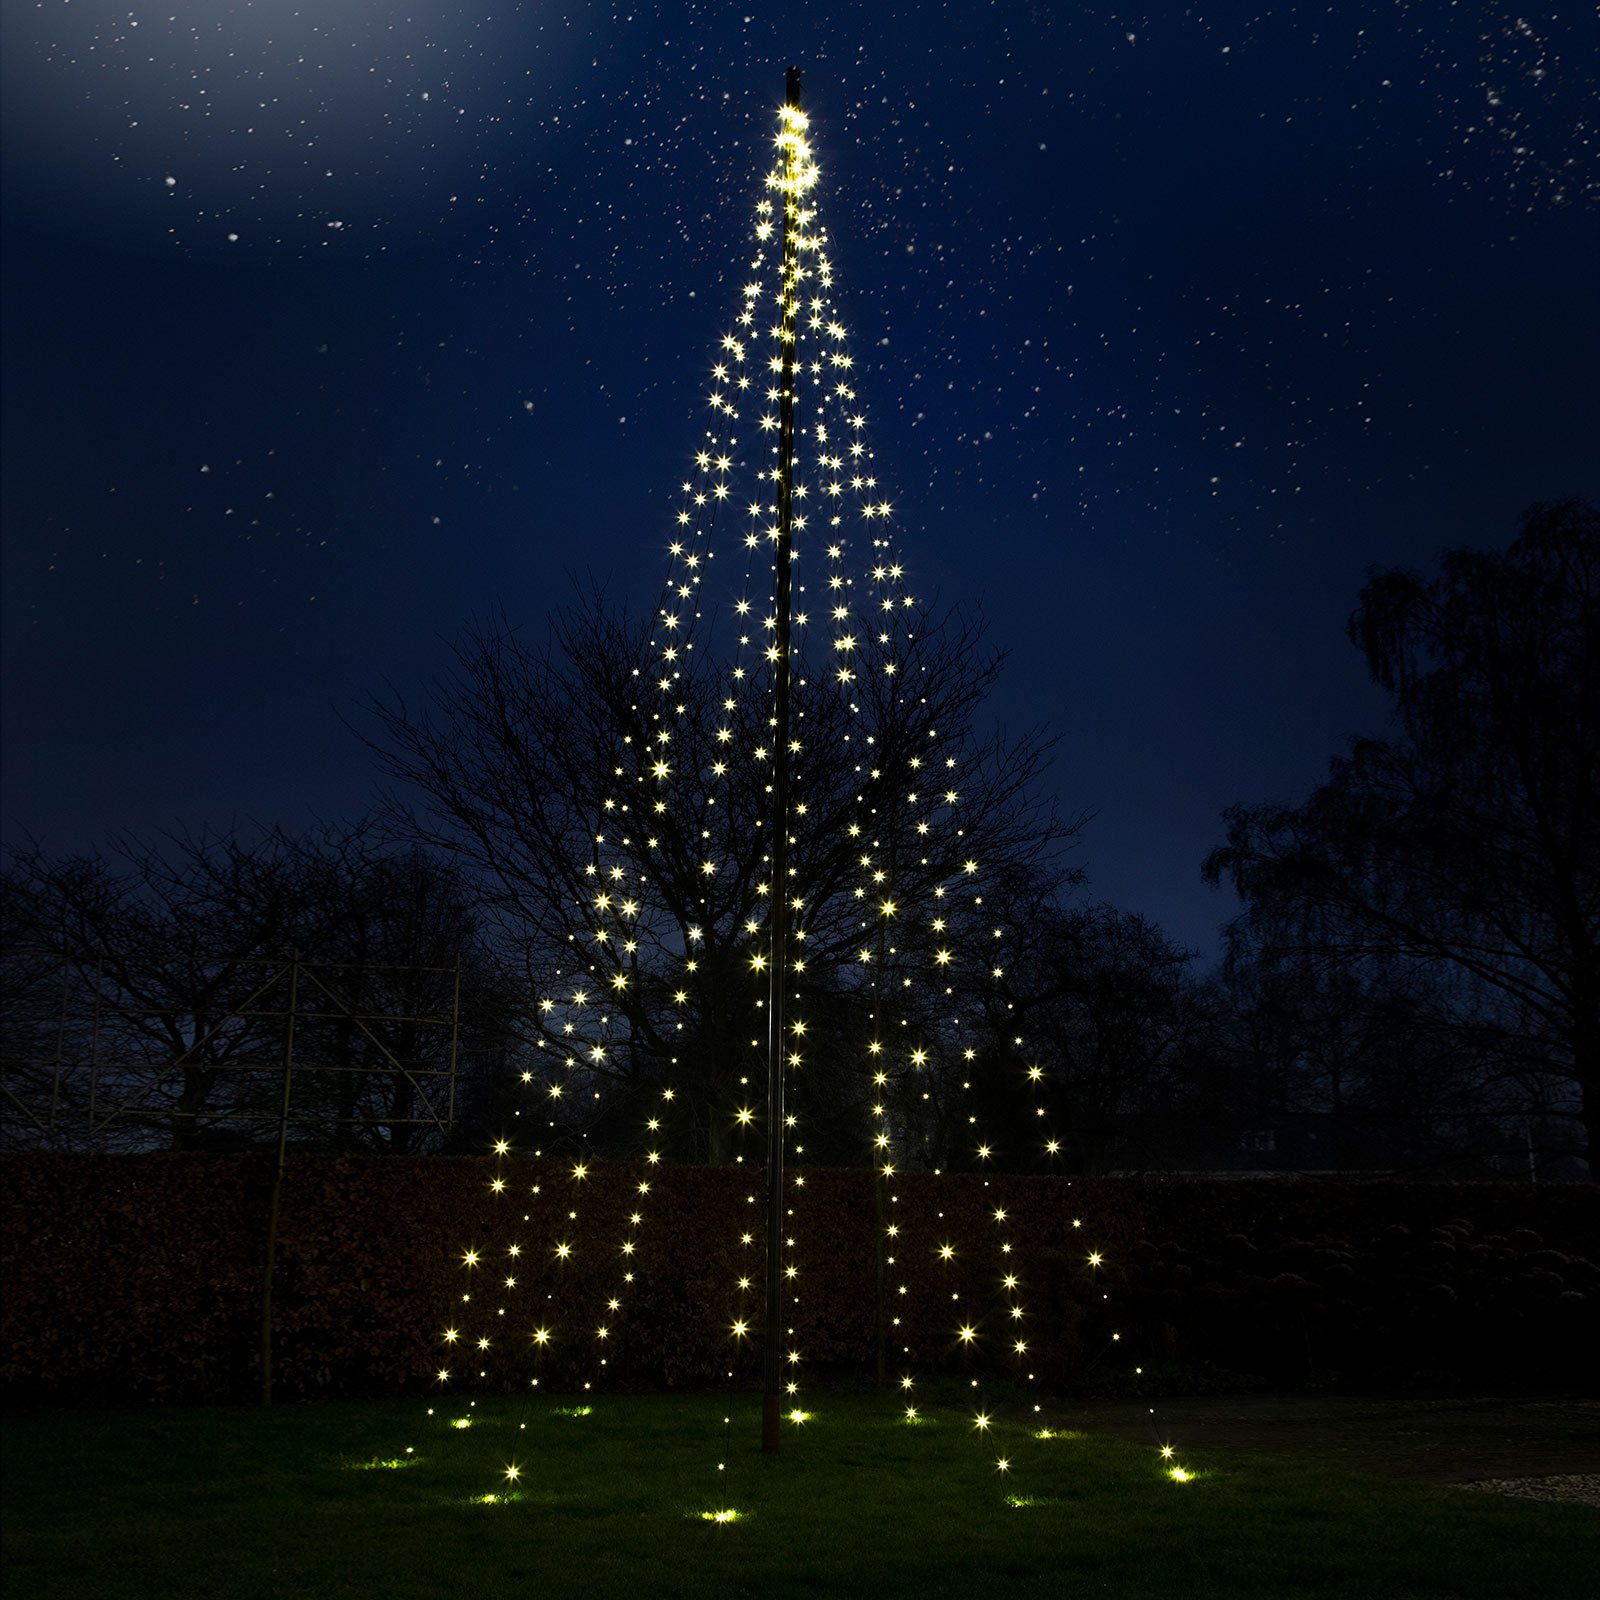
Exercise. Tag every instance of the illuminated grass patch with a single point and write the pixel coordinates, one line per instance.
(249, 1504)
(493, 1497)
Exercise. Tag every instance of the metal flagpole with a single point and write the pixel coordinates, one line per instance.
(778, 973)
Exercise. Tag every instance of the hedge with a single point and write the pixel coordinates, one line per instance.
(139, 1277)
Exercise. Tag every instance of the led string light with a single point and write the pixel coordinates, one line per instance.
(620, 891)
(901, 938)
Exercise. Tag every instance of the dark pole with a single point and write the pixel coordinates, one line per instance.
(277, 1181)
(773, 1334)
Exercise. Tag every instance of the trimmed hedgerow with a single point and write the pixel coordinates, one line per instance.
(139, 1277)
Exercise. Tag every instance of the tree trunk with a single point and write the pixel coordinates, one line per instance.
(1586, 1074)
(184, 1122)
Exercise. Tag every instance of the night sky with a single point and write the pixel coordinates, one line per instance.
(331, 326)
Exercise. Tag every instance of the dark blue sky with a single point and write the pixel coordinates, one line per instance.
(330, 327)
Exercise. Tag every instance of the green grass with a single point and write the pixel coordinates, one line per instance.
(299, 1501)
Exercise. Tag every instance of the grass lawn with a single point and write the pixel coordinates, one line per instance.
(307, 1501)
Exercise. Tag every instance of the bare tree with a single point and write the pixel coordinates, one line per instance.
(1377, 1062)
(622, 839)
(1102, 1011)
(173, 972)
(158, 965)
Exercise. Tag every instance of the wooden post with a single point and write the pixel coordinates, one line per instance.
(277, 1184)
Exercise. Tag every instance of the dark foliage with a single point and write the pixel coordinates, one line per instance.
(138, 1277)
(1461, 859)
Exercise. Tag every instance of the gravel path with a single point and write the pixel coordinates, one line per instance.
(1581, 1488)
